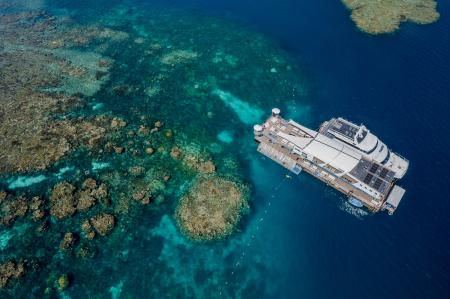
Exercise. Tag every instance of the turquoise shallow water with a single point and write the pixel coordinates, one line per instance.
(300, 239)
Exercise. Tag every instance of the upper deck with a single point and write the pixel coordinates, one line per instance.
(360, 138)
(350, 133)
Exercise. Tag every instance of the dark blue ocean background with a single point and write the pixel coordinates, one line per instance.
(308, 241)
(399, 86)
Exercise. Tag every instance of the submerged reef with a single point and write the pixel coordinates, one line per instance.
(384, 16)
(211, 208)
(103, 223)
(115, 121)
(10, 270)
(63, 202)
(11, 208)
(34, 135)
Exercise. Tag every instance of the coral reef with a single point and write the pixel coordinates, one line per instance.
(36, 208)
(88, 230)
(84, 252)
(93, 141)
(178, 56)
(89, 193)
(65, 200)
(199, 163)
(103, 223)
(117, 123)
(10, 270)
(383, 16)
(63, 282)
(33, 138)
(62, 200)
(211, 208)
(11, 208)
(68, 241)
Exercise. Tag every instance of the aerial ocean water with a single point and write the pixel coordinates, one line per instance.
(155, 92)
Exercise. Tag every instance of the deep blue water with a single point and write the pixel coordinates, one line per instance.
(398, 85)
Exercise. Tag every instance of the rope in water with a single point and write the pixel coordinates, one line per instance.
(249, 243)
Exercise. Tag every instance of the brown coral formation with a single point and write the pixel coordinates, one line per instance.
(38, 27)
(178, 56)
(117, 123)
(84, 252)
(11, 208)
(141, 196)
(85, 202)
(36, 208)
(32, 138)
(149, 151)
(65, 200)
(199, 163)
(63, 282)
(136, 170)
(62, 200)
(211, 209)
(10, 270)
(89, 193)
(175, 153)
(68, 241)
(3, 195)
(385, 16)
(103, 223)
(88, 230)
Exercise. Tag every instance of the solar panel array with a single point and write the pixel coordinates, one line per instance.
(374, 168)
(368, 178)
(383, 173)
(377, 184)
(373, 174)
(345, 129)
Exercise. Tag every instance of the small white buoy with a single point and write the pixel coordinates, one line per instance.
(276, 111)
(257, 130)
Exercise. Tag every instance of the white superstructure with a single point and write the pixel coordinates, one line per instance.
(346, 156)
(369, 145)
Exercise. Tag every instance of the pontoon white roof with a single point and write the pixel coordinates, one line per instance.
(329, 151)
(333, 153)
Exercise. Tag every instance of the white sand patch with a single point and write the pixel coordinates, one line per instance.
(247, 113)
(63, 171)
(5, 236)
(98, 106)
(99, 165)
(10, 233)
(25, 181)
(225, 136)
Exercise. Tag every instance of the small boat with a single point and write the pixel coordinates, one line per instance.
(354, 202)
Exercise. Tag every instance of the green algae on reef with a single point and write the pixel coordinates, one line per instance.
(120, 114)
(384, 16)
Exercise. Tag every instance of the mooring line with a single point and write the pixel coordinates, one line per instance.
(253, 238)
